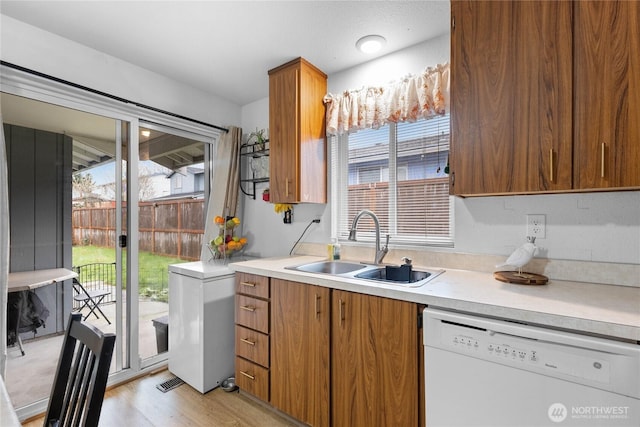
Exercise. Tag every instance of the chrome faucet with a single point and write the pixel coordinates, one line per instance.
(380, 253)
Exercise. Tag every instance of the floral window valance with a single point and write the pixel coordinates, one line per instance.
(414, 97)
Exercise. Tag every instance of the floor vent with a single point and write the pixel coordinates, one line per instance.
(169, 384)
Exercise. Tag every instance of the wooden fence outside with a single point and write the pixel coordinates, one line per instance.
(174, 227)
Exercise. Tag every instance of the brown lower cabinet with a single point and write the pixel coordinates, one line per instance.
(252, 334)
(374, 361)
(343, 359)
(300, 351)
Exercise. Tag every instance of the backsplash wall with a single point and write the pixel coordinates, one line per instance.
(601, 226)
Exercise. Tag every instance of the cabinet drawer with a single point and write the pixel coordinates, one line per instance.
(252, 284)
(252, 345)
(252, 313)
(252, 378)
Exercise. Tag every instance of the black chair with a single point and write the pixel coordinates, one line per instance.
(81, 378)
(90, 299)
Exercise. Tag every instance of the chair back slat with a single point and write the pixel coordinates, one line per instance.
(81, 379)
(75, 398)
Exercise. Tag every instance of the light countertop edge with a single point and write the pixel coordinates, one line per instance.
(201, 270)
(607, 310)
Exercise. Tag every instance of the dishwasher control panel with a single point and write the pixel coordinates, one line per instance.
(478, 343)
(523, 352)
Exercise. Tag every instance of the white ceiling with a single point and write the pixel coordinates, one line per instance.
(226, 47)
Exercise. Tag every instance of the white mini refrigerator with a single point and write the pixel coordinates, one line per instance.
(201, 324)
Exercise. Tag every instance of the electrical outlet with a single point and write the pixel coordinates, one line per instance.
(536, 226)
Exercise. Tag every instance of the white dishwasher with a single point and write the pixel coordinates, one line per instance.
(481, 371)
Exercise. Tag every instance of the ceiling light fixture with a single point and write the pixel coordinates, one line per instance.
(146, 133)
(370, 44)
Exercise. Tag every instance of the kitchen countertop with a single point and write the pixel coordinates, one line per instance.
(201, 270)
(607, 310)
(206, 269)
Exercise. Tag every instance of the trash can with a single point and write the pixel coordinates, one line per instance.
(162, 333)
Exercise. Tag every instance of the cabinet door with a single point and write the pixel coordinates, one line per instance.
(374, 361)
(313, 162)
(607, 94)
(284, 120)
(300, 351)
(511, 88)
(298, 167)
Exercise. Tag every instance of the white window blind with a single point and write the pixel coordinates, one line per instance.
(398, 172)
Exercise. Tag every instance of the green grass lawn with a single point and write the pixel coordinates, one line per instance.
(153, 272)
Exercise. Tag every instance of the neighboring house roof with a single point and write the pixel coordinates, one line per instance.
(191, 195)
(429, 144)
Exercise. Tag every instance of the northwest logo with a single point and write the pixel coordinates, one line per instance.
(557, 412)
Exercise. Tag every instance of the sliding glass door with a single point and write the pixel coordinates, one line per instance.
(139, 193)
(172, 185)
(67, 191)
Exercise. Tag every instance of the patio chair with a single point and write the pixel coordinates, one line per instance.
(90, 299)
(81, 378)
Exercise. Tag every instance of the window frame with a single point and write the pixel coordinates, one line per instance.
(339, 147)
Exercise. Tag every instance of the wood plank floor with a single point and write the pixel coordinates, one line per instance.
(139, 403)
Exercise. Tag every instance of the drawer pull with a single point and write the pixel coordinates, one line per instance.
(341, 305)
(246, 341)
(253, 285)
(251, 377)
(317, 306)
(248, 308)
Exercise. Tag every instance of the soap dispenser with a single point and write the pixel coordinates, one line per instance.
(336, 250)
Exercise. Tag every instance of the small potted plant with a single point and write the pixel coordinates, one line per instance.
(259, 137)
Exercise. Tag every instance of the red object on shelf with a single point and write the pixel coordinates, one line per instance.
(265, 196)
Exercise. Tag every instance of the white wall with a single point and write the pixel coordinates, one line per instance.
(30, 47)
(392, 67)
(267, 234)
(589, 226)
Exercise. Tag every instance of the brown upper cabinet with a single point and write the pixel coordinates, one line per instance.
(298, 165)
(543, 96)
(510, 97)
(606, 144)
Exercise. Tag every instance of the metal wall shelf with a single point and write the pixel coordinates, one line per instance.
(252, 152)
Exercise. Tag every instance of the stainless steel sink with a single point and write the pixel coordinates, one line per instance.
(375, 273)
(416, 277)
(329, 267)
